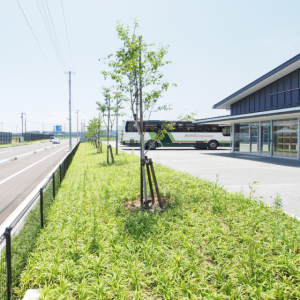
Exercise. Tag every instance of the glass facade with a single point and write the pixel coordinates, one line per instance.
(241, 137)
(256, 138)
(285, 138)
(254, 141)
(265, 138)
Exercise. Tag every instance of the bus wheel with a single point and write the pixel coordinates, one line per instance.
(153, 147)
(212, 145)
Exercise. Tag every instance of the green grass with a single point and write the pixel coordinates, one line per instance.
(24, 242)
(207, 244)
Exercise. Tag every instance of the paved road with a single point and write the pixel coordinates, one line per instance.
(10, 152)
(19, 177)
(237, 172)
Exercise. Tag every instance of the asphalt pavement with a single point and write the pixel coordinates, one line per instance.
(19, 177)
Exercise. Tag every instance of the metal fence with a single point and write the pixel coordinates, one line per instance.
(28, 137)
(5, 137)
(18, 240)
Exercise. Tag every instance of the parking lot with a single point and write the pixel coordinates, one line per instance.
(237, 172)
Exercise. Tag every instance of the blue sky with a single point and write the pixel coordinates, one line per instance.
(216, 48)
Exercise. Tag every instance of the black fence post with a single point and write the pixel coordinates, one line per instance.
(7, 235)
(53, 182)
(60, 178)
(42, 207)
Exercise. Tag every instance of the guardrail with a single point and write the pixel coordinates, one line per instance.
(18, 240)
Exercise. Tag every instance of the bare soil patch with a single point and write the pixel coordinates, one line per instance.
(136, 204)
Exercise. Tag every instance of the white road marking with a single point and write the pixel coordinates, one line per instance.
(12, 176)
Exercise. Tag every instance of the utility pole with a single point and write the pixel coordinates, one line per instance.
(77, 112)
(22, 116)
(70, 115)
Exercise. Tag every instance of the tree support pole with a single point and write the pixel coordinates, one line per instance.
(155, 183)
(149, 180)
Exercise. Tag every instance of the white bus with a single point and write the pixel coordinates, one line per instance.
(185, 134)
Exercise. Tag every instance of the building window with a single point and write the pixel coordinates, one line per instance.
(285, 138)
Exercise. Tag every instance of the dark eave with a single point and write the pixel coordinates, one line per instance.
(282, 70)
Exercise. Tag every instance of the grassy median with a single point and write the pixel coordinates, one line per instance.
(206, 244)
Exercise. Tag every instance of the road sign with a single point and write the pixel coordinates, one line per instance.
(58, 128)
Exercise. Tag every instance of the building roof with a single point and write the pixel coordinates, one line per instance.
(292, 112)
(282, 70)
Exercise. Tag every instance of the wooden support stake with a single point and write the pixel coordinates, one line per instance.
(141, 186)
(149, 180)
(109, 149)
(155, 183)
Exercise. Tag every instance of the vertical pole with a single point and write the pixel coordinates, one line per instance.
(42, 207)
(60, 177)
(232, 137)
(149, 180)
(143, 177)
(7, 235)
(22, 122)
(155, 183)
(70, 122)
(53, 182)
(108, 127)
(117, 132)
(272, 138)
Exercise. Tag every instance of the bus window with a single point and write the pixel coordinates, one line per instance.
(151, 128)
(200, 128)
(130, 127)
(189, 127)
(179, 127)
(226, 131)
(212, 128)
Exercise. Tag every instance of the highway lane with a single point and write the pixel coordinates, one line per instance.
(19, 177)
(10, 152)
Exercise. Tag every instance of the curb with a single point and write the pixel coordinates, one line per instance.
(5, 161)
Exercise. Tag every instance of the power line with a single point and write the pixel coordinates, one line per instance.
(70, 50)
(67, 34)
(38, 43)
(55, 32)
(50, 33)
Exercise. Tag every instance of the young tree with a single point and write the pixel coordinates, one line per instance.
(95, 128)
(136, 70)
(188, 117)
(119, 106)
(108, 109)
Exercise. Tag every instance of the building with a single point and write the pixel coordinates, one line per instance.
(265, 114)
